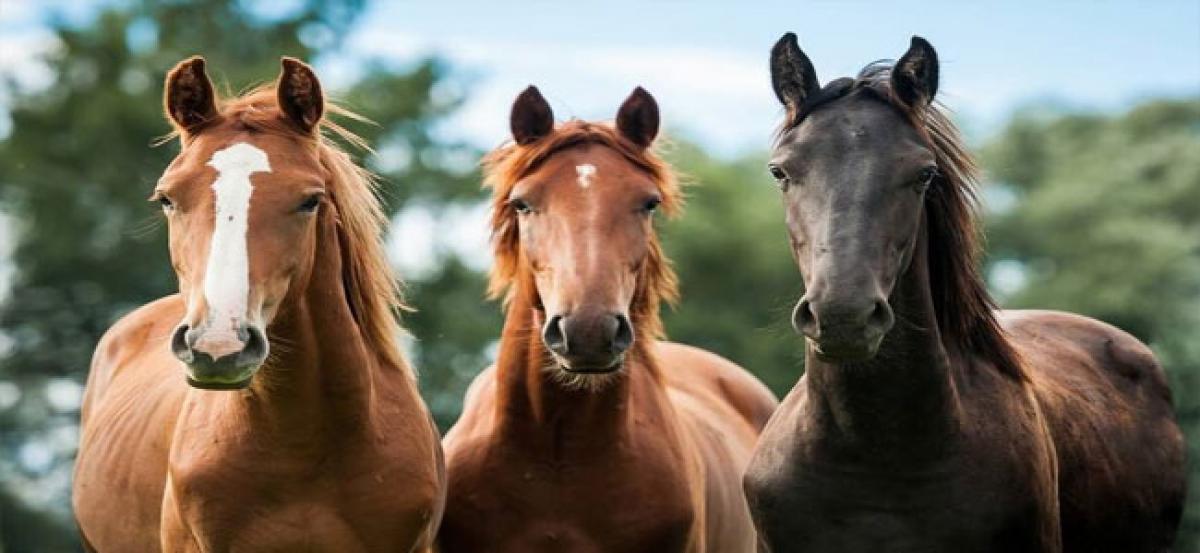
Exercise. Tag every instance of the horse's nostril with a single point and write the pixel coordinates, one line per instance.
(804, 320)
(881, 317)
(181, 344)
(553, 335)
(255, 351)
(623, 337)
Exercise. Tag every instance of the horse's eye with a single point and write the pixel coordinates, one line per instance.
(164, 202)
(310, 204)
(652, 204)
(779, 175)
(520, 206)
(925, 178)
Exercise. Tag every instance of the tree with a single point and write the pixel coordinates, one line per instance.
(738, 281)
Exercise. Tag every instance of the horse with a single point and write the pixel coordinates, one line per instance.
(591, 433)
(927, 420)
(267, 405)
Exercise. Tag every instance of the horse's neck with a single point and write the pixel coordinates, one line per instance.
(902, 400)
(536, 407)
(319, 381)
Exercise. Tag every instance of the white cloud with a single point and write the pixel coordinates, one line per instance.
(721, 97)
(20, 57)
(420, 237)
(15, 11)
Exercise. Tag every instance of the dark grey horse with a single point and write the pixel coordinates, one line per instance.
(926, 420)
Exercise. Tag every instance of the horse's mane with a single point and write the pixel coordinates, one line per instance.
(966, 312)
(371, 290)
(505, 166)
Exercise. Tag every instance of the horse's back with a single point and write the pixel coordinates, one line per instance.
(716, 381)
(130, 405)
(1120, 452)
(724, 408)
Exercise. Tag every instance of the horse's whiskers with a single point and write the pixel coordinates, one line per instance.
(583, 382)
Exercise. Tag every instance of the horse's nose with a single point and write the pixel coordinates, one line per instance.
(181, 343)
(554, 337)
(843, 323)
(803, 318)
(623, 338)
(217, 359)
(589, 342)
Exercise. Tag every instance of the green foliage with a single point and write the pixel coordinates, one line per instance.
(454, 329)
(1107, 223)
(738, 281)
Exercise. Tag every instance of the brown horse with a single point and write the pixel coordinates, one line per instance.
(927, 421)
(321, 444)
(590, 434)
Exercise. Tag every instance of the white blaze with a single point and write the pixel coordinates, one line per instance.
(586, 171)
(227, 276)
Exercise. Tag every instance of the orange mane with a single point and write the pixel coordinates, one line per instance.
(505, 166)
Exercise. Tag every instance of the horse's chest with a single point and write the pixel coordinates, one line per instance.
(813, 507)
(573, 532)
(287, 505)
(522, 506)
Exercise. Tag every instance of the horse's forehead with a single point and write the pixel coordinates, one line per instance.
(858, 118)
(282, 158)
(852, 127)
(582, 167)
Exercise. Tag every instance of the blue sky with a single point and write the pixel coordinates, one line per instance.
(706, 62)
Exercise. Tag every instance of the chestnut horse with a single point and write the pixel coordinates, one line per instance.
(320, 444)
(589, 433)
(926, 420)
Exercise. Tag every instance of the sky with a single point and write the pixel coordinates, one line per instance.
(706, 62)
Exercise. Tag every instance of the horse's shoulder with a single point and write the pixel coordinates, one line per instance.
(135, 327)
(697, 372)
(477, 404)
(147, 326)
(483, 383)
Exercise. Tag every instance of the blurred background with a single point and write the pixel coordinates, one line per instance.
(1086, 116)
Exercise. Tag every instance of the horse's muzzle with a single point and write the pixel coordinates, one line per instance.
(216, 364)
(845, 331)
(588, 343)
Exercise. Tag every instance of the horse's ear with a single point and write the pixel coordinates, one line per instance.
(188, 96)
(915, 76)
(299, 94)
(638, 119)
(531, 116)
(792, 74)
